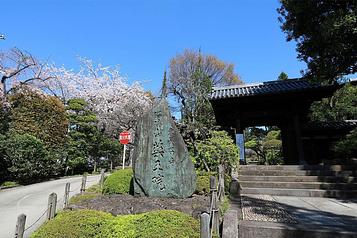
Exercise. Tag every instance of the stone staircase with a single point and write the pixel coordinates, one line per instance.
(336, 181)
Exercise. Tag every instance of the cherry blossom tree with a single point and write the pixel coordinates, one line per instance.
(116, 103)
(18, 67)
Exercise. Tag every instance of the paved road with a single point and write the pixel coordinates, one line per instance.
(32, 201)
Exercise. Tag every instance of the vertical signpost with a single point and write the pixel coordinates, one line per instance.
(124, 139)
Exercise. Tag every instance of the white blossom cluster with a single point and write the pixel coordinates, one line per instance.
(116, 103)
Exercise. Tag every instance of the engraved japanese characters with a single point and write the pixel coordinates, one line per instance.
(162, 166)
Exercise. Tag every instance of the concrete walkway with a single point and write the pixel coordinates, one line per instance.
(32, 201)
(303, 213)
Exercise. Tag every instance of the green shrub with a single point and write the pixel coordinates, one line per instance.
(74, 224)
(83, 197)
(156, 224)
(224, 206)
(166, 223)
(119, 182)
(219, 148)
(9, 184)
(95, 224)
(202, 182)
(27, 158)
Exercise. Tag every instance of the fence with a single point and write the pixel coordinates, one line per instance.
(209, 222)
(50, 211)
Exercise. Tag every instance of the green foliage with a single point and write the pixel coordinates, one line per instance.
(95, 224)
(27, 158)
(4, 164)
(156, 224)
(119, 182)
(341, 106)
(82, 133)
(283, 76)
(266, 143)
(203, 182)
(219, 148)
(325, 32)
(224, 206)
(94, 189)
(83, 197)
(87, 144)
(44, 118)
(9, 184)
(347, 147)
(39, 115)
(74, 224)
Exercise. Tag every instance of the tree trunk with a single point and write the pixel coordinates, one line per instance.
(4, 96)
(95, 166)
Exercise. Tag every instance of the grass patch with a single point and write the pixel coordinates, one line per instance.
(83, 197)
(94, 189)
(9, 184)
(94, 224)
(224, 206)
(119, 182)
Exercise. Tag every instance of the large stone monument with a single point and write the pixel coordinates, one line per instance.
(162, 165)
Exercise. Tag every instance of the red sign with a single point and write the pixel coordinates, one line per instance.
(124, 137)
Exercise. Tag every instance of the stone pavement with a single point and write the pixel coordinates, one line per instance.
(327, 213)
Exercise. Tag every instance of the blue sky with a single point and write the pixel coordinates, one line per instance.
(142, 36)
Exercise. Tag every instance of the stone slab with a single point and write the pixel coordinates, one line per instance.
(162, 165)
(230, 224)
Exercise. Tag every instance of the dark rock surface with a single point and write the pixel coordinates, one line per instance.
(121, 204)
(162, 166)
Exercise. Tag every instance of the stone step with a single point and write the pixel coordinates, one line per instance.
(300, 192)
(299, 167)
(255, 229)
(297, 173)
(335, 179)
(298, 185)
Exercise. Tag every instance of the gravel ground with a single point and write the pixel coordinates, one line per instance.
(127, 204)
(264, 208)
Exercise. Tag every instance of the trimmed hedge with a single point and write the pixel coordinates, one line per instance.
(94, 224)
(119, 182)
(74, 224)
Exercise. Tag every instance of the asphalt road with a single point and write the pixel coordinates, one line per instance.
(32, 201)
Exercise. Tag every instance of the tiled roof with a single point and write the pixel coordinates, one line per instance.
(271, 87)
(335, 125)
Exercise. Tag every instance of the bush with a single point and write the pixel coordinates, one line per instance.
(156, 224)
(119, 182)
(39, 115)
(166, 223)
(27, 158)
(218, 149)
(203, 182)
(89, 224)
(74, 224)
